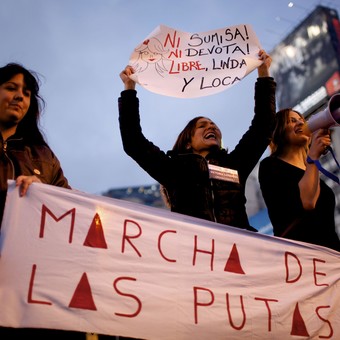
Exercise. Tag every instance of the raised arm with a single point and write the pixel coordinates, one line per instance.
(263, 69)
(129, 84)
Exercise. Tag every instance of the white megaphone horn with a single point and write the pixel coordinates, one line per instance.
(327, 118)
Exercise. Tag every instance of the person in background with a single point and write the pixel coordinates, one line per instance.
(300, 204)
(26, 158)
(199, 177)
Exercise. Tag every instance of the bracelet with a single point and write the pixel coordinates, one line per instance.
(324, 171)
(310, 161)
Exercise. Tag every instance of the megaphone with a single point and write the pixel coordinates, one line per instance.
(327, 118)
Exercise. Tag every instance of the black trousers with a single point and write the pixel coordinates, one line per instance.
(39, 334)
(7, 333)
(110, 337)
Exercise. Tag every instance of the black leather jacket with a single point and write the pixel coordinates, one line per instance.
(186, 177)
(17, 158)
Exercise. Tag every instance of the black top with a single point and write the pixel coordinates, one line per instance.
(279, 184)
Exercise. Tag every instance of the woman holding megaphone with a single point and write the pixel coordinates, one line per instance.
(300, 204)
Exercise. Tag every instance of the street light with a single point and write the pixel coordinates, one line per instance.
(291, 4)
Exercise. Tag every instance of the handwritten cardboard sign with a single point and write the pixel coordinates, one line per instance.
(75, 261)
(187, 65)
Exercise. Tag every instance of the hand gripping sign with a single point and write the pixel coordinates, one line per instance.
(188, 65)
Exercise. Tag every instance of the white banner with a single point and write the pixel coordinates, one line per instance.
(75, 261)
(188, 65)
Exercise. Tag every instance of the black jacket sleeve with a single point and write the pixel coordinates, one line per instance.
(149, 156)
(254, 142)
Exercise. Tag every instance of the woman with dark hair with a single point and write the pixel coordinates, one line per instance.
(300, 204)
(201, 178)
(25, 155)
(26, 158)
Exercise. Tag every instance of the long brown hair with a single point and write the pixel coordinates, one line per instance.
(278, 140)
(180, 147)
(184, 138)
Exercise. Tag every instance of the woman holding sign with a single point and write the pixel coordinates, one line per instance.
(300, 204)
(200, 178)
